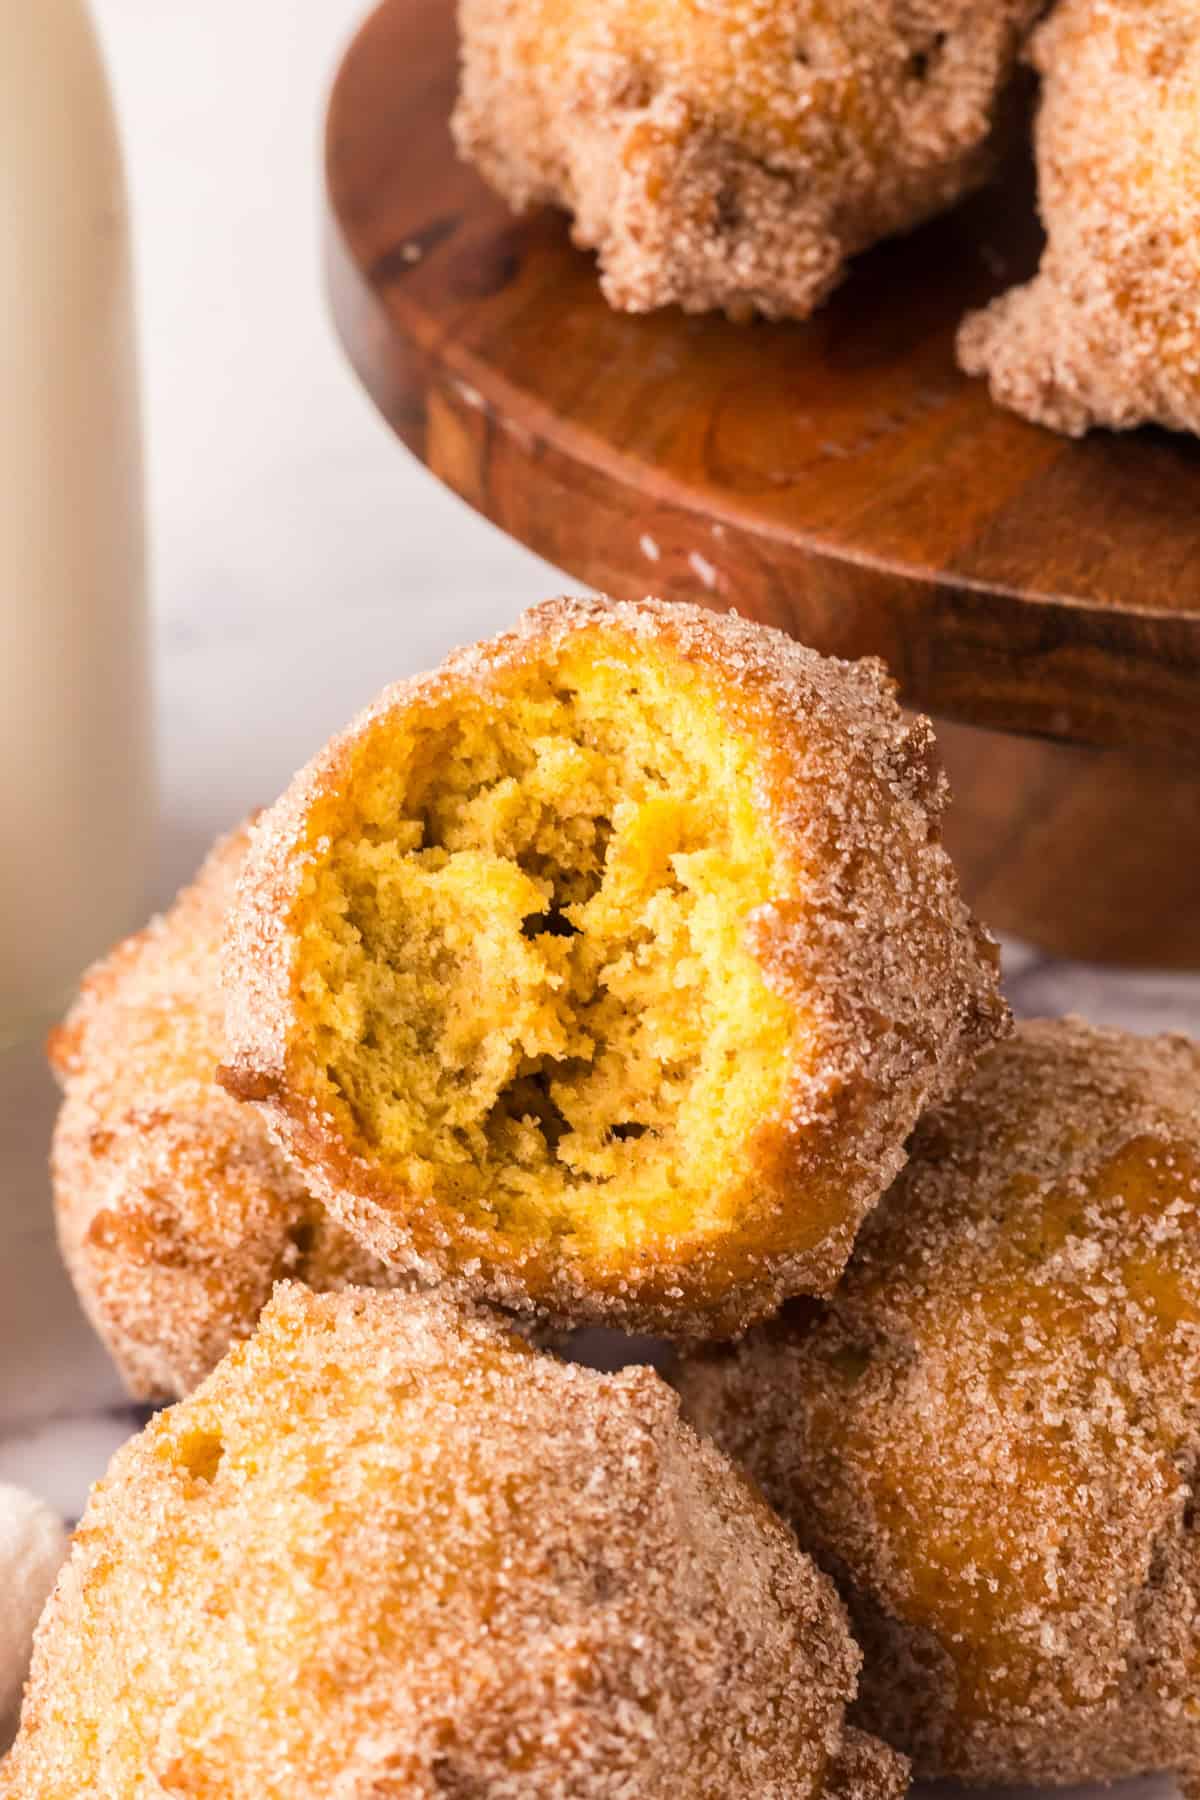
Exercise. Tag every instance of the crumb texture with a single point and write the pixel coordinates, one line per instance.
(524, 964)
(176, 1213)
(386, 1549)
(733, 153)
(1108, 331)
(609, 966)
(991, 1435)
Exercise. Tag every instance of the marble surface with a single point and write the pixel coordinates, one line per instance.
(301, 559)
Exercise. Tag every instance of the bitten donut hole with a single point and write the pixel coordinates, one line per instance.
(525, 983)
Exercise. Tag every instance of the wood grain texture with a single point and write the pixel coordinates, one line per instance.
(840, 479)
(1086, 853)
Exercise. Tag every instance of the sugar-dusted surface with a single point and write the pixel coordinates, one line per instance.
(63, 1372)
(1108, 332)
(992, 1435)
(733, 154)
(892, 983)
(176, 1212)
(387, 1548)
(271, 494)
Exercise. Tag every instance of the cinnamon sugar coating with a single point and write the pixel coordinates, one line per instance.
(604, 971)
(733, 154)
(1108, 331)
(176, 1214)
(387, 1549)
(991, 1435)
(865, 1768)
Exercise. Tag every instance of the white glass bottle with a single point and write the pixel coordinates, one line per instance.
(76, 784)
(75, 757)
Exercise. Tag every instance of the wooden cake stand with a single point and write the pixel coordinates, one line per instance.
(840, 479)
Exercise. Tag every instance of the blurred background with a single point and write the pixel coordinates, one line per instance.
(300, 558)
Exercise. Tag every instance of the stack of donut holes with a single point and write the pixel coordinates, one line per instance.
(614, 974)
(734, 154)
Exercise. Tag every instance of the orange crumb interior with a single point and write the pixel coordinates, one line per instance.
(524, 983)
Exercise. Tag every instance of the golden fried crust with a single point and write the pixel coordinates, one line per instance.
(176, 1213)
(864, 945)
(733, 154)
(1108, 332)
(388, 1550)
(866, 1769)
(991, 1435)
